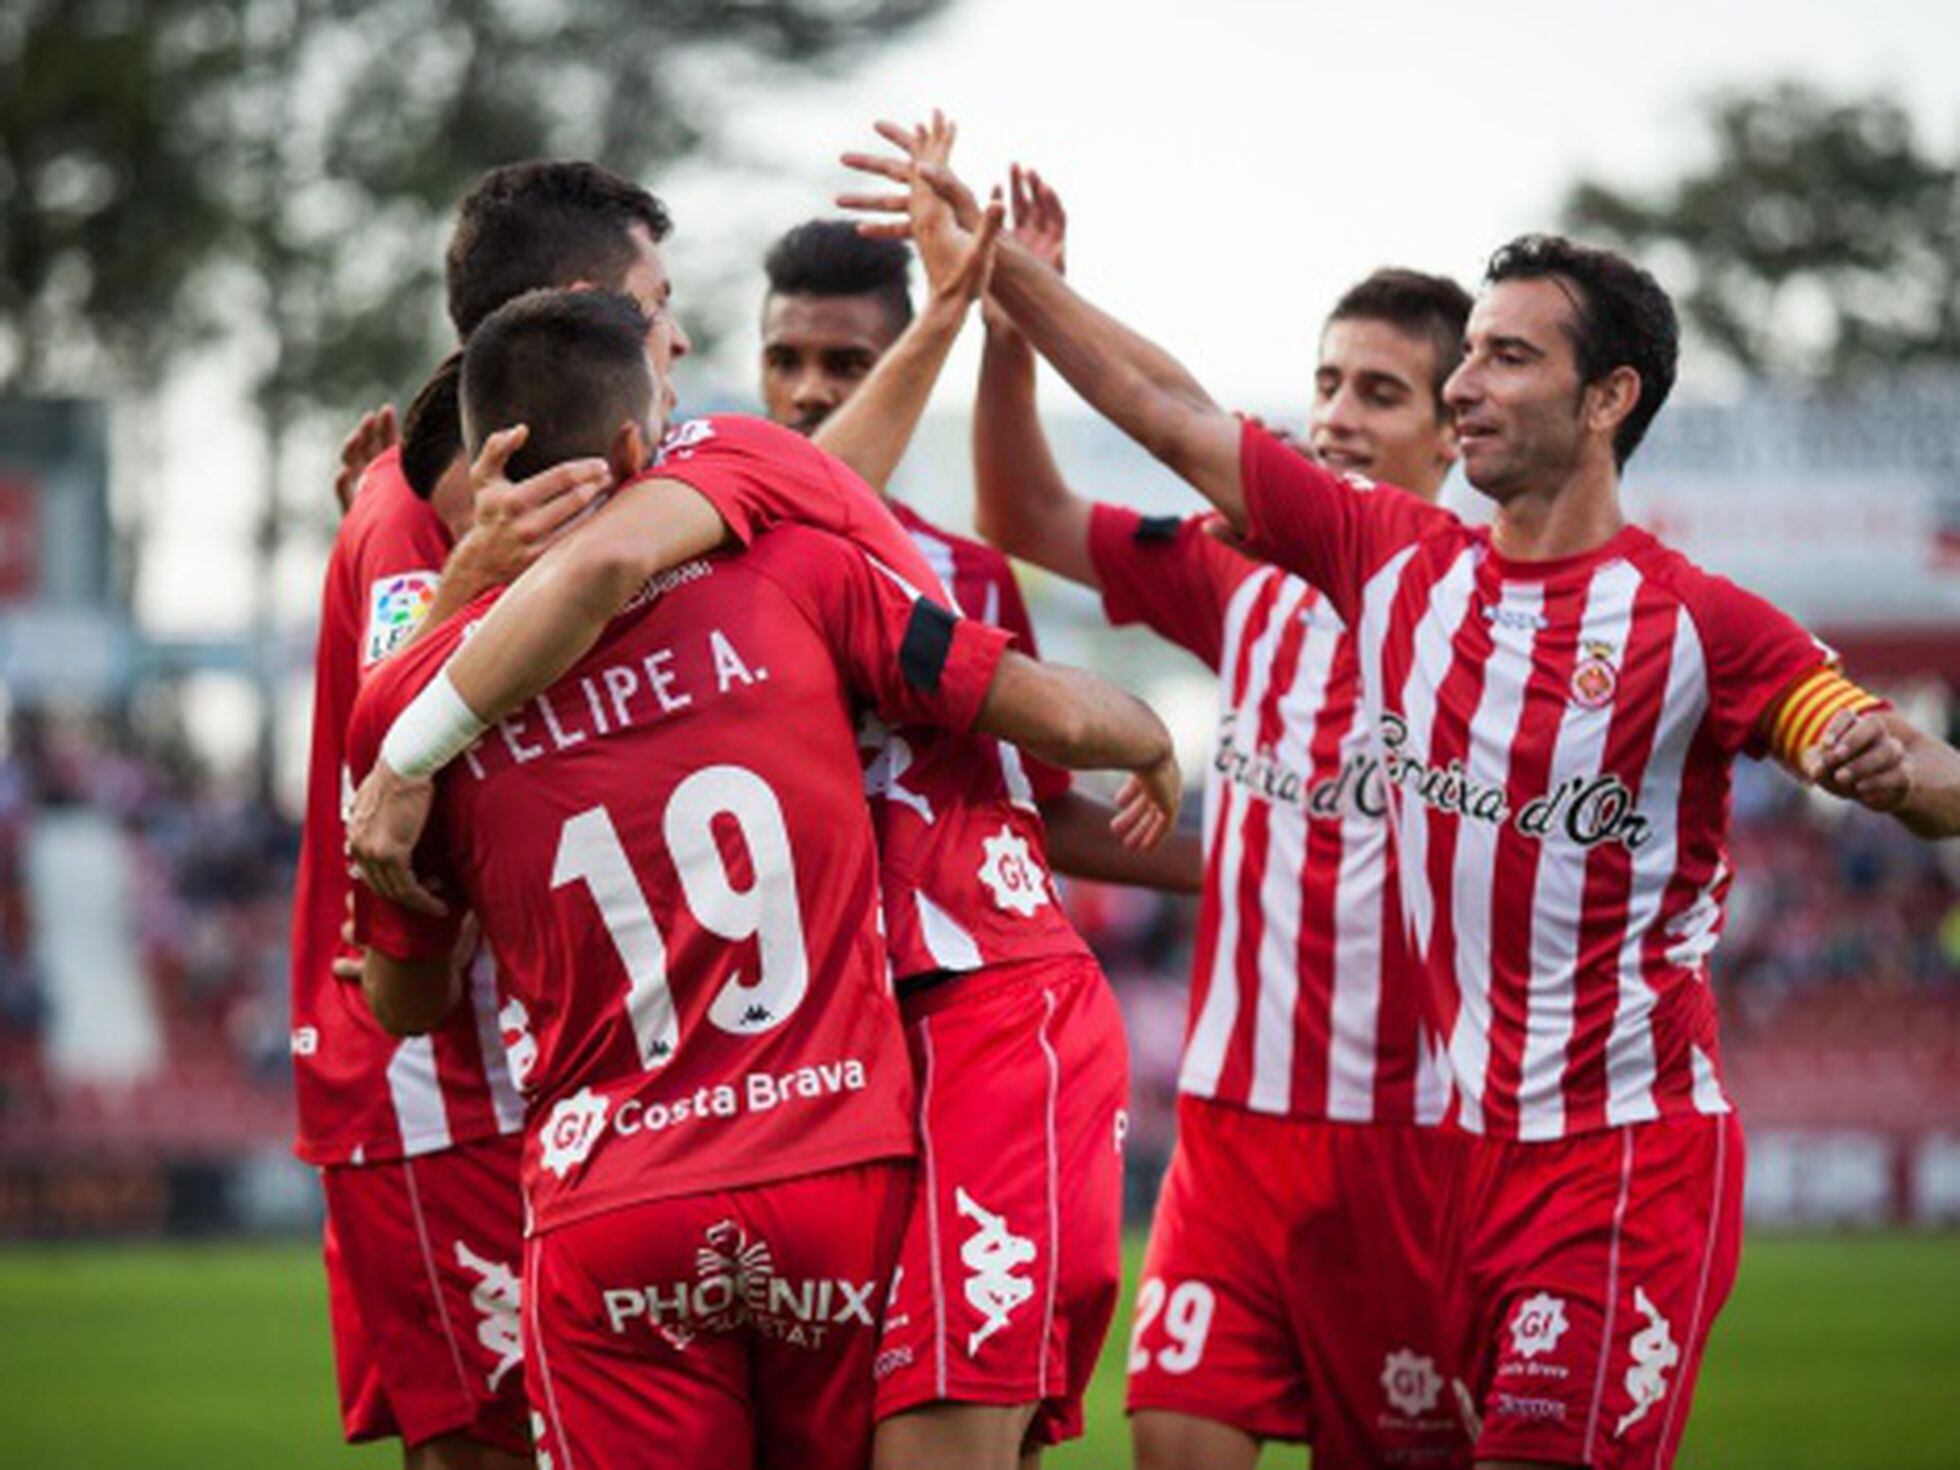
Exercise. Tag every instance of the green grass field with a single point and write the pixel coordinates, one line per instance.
(1833, 1353)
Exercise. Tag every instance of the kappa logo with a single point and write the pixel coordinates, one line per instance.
(396, 607)
(538, 1428)
(520, 1046)
(683, 439)
(1538, 1325)
(1411, 1382)
(1596, 679)
(1654, 1351)
(991, 1255)
(1011, 873)
(497, 1298)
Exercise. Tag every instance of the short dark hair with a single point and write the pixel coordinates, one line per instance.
(1620, 318)
(432, 429)
(828, 257)
(572, 365)
(528, 226)
(1418, 304)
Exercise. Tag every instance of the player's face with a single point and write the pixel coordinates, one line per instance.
(1516, 396)
(815, 352)
(1375, 409)
(648, 283)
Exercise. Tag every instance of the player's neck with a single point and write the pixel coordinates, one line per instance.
(1577, 515)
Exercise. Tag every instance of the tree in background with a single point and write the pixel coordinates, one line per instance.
(281, 172)
(1817, 242)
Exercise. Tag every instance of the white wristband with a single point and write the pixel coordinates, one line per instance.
(435, 728)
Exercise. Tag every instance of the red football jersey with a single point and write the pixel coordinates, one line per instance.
(963, 857)
(670, 853)
(1557, 739)
(364, 1096)
(983, 586)
(1302, 1001)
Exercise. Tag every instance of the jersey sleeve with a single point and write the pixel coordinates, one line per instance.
(397, 565)
(1757, 656)
(910, 657)
(1048, 783)
(379, 923)
(758, 475)
(1167, 573)
(1333, 529)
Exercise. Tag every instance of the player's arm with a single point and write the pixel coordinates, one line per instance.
(873, 427)
(1857, 747)
(1127, 378)
(409, 997)
(1021, 502)
(1071, 718)
(1083, 843)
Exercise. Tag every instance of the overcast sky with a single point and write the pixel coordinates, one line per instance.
(1229, 167)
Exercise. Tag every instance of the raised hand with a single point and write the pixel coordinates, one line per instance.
(936, 206)
(377, 431)
(1039, 226)
(512, 524)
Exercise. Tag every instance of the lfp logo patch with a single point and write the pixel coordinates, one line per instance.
(396, 607)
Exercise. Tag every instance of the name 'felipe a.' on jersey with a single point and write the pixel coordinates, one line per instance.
(671, 854)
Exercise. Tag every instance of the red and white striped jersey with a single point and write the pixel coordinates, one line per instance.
(1302, 999)
(982, 584)
(363, 1095)
(1557, 740)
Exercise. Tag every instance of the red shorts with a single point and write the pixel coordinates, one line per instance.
(730, 1328)
(1588, 1271)
(1290, 1287)
(1012, 1261)
(422, 1261)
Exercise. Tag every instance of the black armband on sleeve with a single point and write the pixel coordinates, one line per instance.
(1157, 528)
(928, 641)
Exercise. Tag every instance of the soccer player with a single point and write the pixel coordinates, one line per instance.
(670, 851)
(1557, 703)
(1004, 1297)
(837, 317)
(1289, 1291)
(417, 1140)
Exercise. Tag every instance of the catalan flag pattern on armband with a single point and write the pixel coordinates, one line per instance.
(1804, 712)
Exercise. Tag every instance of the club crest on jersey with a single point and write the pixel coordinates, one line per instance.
(992, 1254)
(1595, 680)
(396, 607)
(1654, 1351)
(572, 1131)
(1011, 873)
(1538, 1324)
(1411, 1382)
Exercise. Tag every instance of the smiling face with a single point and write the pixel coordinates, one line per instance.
(1525, 422)
(1375, 408)
(816, 350)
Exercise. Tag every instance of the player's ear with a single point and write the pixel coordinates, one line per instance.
(630, 452)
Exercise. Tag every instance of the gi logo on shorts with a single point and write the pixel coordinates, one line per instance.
(496, 1298)
(1538, 1325)
(1411, 1382)
(572, 1131)
(1654, 1351)
(990, 1256)
(1012, 875)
